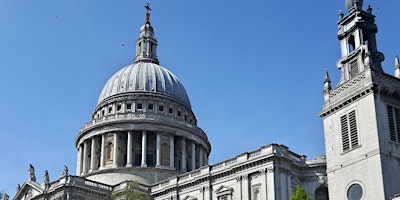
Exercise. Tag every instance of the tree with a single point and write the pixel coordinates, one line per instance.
(300, 194)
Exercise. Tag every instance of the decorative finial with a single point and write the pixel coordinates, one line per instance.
(327, 82)
(147, 15)
(397, 67)
(369, 10)
(340, 14)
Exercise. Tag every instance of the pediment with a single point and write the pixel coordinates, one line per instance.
(28, 190)
(189, 198)
(222, 190)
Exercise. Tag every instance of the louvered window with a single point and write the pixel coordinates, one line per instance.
(394, 123)
(348, 124)
(353, 68)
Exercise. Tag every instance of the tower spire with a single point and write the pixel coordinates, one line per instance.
(146, 44)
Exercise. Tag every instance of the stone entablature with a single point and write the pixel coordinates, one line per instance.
(246, 168)
(365, 83)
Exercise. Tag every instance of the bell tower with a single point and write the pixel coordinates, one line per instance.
(361, 115)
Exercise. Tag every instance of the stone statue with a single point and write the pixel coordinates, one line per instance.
(6, 197)
(32, 176)
(18, 188)
(46, 177)
(65, 171)
(46, 180)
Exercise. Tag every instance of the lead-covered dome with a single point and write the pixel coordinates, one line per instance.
(145, 77)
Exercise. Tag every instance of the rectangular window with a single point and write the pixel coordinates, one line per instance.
(150, 106)
(171, 111)
(179, 113)
(348, 126)
(119, 107)
(394, 123)
(128, 106)
(139, 106)
(161, 108)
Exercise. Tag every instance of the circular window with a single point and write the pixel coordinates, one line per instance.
(355, 192)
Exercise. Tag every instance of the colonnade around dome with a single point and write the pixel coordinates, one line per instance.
(139, 148)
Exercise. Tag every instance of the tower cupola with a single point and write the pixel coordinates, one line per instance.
(146, 44)
(358, 42)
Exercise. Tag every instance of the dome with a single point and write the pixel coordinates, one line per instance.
(145, 77)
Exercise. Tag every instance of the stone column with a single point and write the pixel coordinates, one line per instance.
(158, 150)
(171, 152)
(79, 161)
(129, 150)
(93, 155)
(193, 155)
(103, 152)
(115, 156)
(183, 163)
(144, 149)
(200, 156)
(85, 157)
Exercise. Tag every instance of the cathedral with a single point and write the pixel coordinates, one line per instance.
(143, 141)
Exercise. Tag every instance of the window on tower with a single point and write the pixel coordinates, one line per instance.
(348, 125)
(394, 123)
(351, 43)
(353, 70)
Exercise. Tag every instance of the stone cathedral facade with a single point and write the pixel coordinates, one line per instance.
(144, 137)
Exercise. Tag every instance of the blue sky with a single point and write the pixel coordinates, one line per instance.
(253, 70)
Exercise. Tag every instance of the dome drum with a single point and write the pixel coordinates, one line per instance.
(123, 151)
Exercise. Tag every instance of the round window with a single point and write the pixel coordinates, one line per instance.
(355, 192)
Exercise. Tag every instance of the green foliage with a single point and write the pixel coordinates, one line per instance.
(131, 192)
(300, 194)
